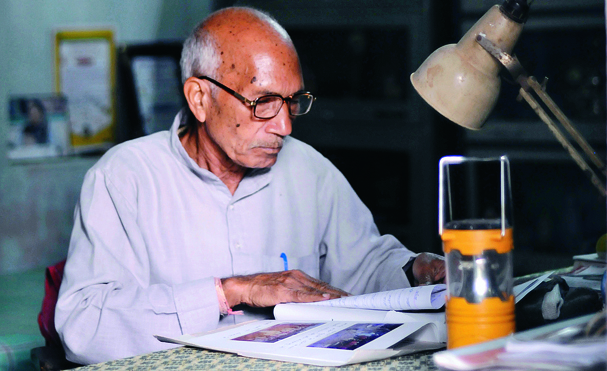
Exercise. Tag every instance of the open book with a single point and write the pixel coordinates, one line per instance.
(337, 332)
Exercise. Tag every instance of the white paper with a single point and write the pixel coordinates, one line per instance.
(589, 276)
(413, 298)
(85, 80)
(522, 351)
(591, 258)
(523, 289)
(573, 281)
(589, 270)
(158, 91)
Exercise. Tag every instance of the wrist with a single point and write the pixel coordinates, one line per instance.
(408, 269)
(231, 291)
(224, 305)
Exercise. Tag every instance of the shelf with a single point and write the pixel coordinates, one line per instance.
(62, 161)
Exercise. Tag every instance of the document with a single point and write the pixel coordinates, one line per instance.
(520, 291)
(412, 298)
(559, 346)
(324, 334)
(589, 276)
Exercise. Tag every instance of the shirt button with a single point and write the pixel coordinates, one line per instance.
(237, 246)
(231, 207)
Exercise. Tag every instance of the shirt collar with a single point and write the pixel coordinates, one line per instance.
(253, 181)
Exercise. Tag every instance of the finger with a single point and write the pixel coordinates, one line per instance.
(326, 293)
(318, 285)
(425, 280)
(267, 289)
(307, 296)
(328, 289)
(441, 273)
(304, 288)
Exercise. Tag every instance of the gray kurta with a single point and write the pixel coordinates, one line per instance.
(152, 230)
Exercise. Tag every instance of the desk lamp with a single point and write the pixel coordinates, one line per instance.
(461, 81)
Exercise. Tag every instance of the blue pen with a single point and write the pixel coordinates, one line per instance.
(284, 258)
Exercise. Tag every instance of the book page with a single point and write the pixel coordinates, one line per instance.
(412, 298)
(319, 343)
(520, 291)
(308, 312)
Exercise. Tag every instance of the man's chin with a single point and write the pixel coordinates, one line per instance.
(261, 163)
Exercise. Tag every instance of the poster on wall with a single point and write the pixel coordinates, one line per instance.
(85, 73)
(158, 91)
(39, 127)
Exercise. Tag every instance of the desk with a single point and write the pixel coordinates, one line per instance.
(186, 358)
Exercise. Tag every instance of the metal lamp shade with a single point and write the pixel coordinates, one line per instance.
(461, 81)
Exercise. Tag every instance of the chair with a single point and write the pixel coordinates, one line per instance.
(50, 357)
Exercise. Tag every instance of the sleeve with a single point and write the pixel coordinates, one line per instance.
(354, 256)
(110, 305)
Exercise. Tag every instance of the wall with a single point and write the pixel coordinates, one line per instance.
(37, 199)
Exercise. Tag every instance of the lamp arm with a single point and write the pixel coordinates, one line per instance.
(568, 125)
(579, 160)
(530, 83)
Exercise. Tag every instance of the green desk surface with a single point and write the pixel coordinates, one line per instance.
(187, 358)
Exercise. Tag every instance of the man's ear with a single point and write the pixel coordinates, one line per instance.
(197, 94)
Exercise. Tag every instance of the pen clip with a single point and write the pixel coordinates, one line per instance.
(284, 259)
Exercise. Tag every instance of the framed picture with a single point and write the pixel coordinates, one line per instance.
(151, 78)
(85, 68)
(39, 126)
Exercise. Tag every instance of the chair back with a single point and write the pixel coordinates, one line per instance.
(46, 318)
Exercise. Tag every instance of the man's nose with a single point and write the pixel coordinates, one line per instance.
(281, 124)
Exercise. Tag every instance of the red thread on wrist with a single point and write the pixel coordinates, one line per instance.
(224, 307)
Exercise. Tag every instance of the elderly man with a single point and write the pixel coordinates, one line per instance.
(225, 210)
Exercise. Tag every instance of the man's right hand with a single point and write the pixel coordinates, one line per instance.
(268, 289)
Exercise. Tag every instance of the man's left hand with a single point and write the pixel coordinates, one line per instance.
(428, 269)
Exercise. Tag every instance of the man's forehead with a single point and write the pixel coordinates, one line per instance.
(257, 62)
(253, 51)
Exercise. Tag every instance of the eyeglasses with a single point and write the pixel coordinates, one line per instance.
(268, 106)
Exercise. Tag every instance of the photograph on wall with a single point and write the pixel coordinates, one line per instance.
(85, 68)
(39, 126)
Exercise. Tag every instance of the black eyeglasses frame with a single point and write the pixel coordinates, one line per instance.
(254, 103)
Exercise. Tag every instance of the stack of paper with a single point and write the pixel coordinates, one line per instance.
(558, 346)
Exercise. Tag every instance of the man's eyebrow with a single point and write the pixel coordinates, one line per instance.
(269, 92)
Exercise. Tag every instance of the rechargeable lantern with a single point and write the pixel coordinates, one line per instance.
(475, 225)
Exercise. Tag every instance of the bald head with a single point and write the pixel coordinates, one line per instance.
(237, 21)
(229, 36)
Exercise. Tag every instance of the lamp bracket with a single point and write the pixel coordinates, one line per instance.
(511, 63)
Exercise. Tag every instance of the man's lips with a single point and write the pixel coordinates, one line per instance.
(273, 149)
